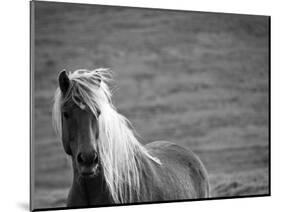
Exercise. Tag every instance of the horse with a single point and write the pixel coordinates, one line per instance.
(110, 166)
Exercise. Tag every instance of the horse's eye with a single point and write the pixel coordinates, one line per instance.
(98, 112)
(65, 115)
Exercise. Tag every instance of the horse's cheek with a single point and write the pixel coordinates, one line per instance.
(66, 147)
(65, 142)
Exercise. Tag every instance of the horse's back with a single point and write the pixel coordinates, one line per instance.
(181, 167)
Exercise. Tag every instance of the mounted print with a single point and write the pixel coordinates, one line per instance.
(139, 106)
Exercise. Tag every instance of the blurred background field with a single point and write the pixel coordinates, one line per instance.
(197, 79)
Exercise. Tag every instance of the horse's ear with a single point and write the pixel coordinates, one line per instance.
(64, 82)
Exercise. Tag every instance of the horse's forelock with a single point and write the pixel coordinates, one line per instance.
(84, 85)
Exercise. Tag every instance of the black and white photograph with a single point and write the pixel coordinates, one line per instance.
(133, 105)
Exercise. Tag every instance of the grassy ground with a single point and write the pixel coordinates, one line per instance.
(198, 79)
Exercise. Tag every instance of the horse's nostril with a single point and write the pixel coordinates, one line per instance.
(80, 158)
(87, 158)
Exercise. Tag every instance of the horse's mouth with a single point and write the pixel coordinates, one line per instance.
(88, 172)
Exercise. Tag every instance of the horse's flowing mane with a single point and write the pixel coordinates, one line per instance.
(119, 151)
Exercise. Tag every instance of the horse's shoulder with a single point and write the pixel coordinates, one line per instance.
(183, 165)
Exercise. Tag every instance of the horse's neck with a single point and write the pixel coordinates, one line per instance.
(88, 191)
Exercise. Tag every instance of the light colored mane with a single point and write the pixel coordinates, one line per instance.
(119, 151)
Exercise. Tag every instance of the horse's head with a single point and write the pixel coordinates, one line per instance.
(97, 137)
(79, 129)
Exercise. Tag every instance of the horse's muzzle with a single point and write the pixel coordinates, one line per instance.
(87, 163)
